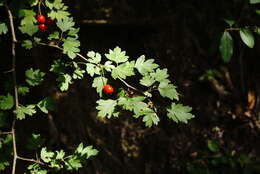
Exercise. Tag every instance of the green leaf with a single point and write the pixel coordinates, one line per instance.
(85, 152)
(64, 81)
(179, 113)
(60, 155)
(34, 77)
(57, 9)
(108, 66)
(70, 47)
(134, 104)
(168, 90)
(143, 66)
(147, 81)
(73, 163)
(35, 142)
(3, 165)
(56, 4)
(230, 22)
(21, 111)
(213, 146)
(257, 11)
(46, 105)
(33, 2)
(94, 57)
(59, 14)
(54, 35)
(226, 47)
(23, 90)
(73, 32)
(254, 1)
(90, 151)
(46, 156)
(6, 102)
(130, 103)
(117, 55)
(161, 75)
(150, 118)
(247, 37)
(29, 29)
(90, 69)
(36, 39)
(65, 24)
(123, 70)
(106, 108)
(27, 44)
(28, 17)
(58, 67)
(99, 83)
(36, 169)
(78, 73)
(3, 28)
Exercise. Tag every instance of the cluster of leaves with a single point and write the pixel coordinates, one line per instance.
(140, 103)
(33, 78)
(113, 66)
(226, 45)
(58, 160)
(117, 64)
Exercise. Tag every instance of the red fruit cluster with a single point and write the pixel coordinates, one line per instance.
(42, 20)
(108, 89)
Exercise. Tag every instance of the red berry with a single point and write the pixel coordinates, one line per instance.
(41, 19)
(42, 27)
(49, 21)
(108, 89)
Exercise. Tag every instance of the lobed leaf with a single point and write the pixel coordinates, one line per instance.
(123, 70)
(34, 77)
(70, 47)
(179, 113)
(117, 55)
(6, 102)
(143, 66)
(46, 105)
(106, 108)
(64, 81)
(168, 90)
(99, 83)
(27, 44)
(3, 28)
(22, 111)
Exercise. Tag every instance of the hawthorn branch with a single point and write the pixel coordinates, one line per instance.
(11, 22)
(84, 58)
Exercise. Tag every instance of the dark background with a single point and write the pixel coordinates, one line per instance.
(182, 36)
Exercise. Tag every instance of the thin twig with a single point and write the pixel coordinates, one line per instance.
(8, 71)
(240, 28)
(32, 160)
(10, 16)
(56, 46)
(5, 133)
(129, 86)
